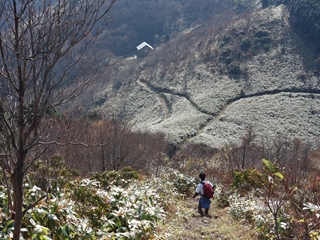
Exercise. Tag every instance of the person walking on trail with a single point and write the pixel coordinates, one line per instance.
(206, 191)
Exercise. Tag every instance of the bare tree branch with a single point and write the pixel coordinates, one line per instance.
(42, 48)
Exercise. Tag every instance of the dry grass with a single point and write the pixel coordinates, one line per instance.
(186, 224)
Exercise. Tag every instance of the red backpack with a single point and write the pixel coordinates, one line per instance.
(207, 190)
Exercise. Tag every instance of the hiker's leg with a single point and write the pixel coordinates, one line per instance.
(200, 209)
(206, 211)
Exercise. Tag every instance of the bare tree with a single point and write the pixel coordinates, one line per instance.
(42, 45)
(241, 155)
(246, 145)
(122, 149)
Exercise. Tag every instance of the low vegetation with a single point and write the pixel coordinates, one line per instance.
(258, 199)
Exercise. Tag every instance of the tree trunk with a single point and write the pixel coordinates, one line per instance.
(17, 180)
(276, 225)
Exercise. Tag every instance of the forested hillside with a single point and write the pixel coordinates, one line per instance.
(305, 17)
(156, 21)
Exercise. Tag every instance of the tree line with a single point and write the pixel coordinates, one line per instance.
(155, 22)
(305, 16)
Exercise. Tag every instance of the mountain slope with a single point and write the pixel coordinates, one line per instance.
(212, 82)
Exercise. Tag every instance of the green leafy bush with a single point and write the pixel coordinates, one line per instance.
(222, 197)
(119, 178)
(183, 184)
(248, 179)
(51, 174)
(84, 209)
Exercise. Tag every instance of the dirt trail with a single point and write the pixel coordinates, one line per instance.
(162, 99)
(186, 224)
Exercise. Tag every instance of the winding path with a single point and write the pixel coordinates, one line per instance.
(212, 117)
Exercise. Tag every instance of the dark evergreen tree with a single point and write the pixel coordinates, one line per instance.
(305, 15)
(265, 3)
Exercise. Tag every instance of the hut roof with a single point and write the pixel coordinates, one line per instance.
(142, 45)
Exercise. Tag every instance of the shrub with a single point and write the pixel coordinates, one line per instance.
(222, 197)
(260, 34)
(234, 69)
(118, 178)
(246, 180)
(240, 206)
(51, 174)
(85, 210)
(183, 184)
(245, 44)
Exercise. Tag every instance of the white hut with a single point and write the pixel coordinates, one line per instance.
(144, 49)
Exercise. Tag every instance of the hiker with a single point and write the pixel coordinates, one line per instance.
(206, 190)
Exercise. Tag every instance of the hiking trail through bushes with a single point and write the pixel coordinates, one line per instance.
(187, 224)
